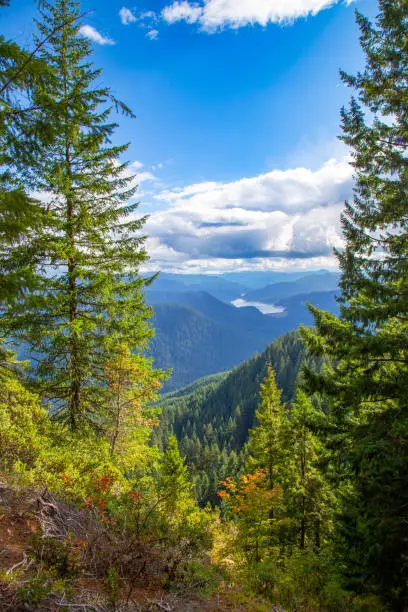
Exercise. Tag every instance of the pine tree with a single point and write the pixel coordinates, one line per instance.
(368, 343)
(90, 291)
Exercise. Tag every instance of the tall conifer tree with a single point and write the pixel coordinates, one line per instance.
(90, 292)
(308, 495)
(174, 486)
(266, 446)
(369, 341)
(22, 134)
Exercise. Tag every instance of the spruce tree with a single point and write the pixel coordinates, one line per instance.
(89, 298)
(368, 342)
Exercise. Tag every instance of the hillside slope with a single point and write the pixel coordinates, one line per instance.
(198, 335)
(327, 281)
(194, 345)
(212, 417)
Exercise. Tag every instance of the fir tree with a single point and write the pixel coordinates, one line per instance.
(308, 495)
(267, 456)
(265, 440)
(90, 292)
(368, 343)
(174, 486)
(22, 79)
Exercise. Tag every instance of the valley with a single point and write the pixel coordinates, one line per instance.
(207, 324)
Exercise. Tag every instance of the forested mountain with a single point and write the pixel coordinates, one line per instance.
(197, 335)
(300, 453)
(194, 345)
(296, 304)
(326, 281)
(211, 418)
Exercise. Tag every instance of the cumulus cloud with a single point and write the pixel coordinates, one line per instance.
(213, 15)
(93, 34)
(152, 34)
(126, 16)
(182, 11)
(278, 216)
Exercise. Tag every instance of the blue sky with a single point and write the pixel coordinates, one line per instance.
(237, 105)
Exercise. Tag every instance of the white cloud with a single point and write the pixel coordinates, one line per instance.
(126, 16)
(285, 190)
(150, 15)
(287, 216)
(90, 32)
(136, 165)
(142, 177)
(213, 15)
(153, 34)
(182, 11)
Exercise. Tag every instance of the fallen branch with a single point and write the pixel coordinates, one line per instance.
(21, 563)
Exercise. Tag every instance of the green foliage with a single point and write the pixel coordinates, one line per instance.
(89, 298)
(58, 556)
(23, 423)
(280, 515)
(22, 77)
(266, 441)
(173, 485)
(131, 384)
(211, 419)
(313, 506)
(112, 585)
(36, 589)
(309, 494)
(368, 376)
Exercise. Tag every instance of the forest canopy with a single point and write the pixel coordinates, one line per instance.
(280, 483)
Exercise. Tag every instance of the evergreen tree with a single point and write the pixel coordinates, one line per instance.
(90, 292)
(174, 486)
(265, 440)
(22, 79)
(267, 456)
(368, 343)
(308, 495)
(132, 385)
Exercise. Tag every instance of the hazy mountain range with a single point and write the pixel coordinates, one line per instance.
(199, 331)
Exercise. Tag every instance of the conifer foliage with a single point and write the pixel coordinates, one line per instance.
(368, 343)
(89, 296)
(22, 78)
(266, 440)
(313, 508)
(309, 497)
(174, 486)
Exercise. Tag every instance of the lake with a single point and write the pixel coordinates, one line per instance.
(264, 308)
